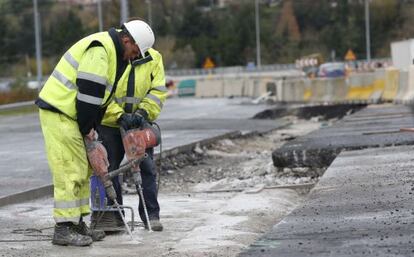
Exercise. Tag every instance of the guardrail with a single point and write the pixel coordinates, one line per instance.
(361, 64)
(227, 70)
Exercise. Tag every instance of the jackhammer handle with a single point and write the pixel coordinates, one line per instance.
(126, 167)
(110, 192)
(109, 188)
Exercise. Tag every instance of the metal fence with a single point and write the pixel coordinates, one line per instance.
(374, 63)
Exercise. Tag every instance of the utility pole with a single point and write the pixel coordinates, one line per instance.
(124, 11)
(38, 44)
(258, 58)
(149, 12)
(99, 3)
(367, 31)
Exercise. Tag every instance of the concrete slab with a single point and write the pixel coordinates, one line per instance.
(374, 126)
(184, 121)
(195, 225)
(362, 206)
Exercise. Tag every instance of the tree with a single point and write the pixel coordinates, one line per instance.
(198, 30)
(62, 34)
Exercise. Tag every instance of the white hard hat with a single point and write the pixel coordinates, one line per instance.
(142, 34)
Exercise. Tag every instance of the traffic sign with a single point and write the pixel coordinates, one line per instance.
(350, 56)
(208, 63)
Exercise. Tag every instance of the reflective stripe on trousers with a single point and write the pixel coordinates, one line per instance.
(69, 166)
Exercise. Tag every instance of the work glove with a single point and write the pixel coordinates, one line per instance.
(97, 155)
(130, 120)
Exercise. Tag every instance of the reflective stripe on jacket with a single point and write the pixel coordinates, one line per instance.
(149, 90)
(61, 91)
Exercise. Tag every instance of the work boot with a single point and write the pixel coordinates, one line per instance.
(155, 225)
(95, 234)
(65, 234)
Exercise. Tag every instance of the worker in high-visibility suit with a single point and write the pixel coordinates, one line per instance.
(139, 98)
(72, 103)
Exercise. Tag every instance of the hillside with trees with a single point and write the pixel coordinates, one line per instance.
(189, 31)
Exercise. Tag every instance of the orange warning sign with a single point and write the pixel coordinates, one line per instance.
(208, 63)
(350, 56)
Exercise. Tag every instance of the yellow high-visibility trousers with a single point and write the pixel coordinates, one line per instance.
(68, 164)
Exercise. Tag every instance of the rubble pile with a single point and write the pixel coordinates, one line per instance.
(237, 163)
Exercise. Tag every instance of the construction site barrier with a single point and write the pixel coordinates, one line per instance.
(363, 87)
(233, 87)
(327, 90)
(389, 85)
(408, 98)
(186, 87)
(292, 90)
(209, 88)
(402, 90)
(392, 76)
(379, 85)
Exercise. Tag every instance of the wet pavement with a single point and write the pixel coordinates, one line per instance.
(184, 122)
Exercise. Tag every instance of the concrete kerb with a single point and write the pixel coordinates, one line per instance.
(27, 195)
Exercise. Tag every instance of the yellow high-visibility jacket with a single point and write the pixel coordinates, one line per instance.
(84, 81)
(141, 87)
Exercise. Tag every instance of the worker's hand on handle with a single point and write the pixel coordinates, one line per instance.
(130, 120)
(97, 155)
(134, 144)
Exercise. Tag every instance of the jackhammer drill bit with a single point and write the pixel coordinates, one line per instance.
(138, 182)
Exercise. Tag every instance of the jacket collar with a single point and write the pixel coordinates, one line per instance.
(140, 61)
(118, 46)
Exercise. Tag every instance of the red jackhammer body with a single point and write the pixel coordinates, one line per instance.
(136, 141)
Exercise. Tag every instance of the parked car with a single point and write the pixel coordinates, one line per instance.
(332, 70)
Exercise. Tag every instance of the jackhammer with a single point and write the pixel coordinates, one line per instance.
(135, 142)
